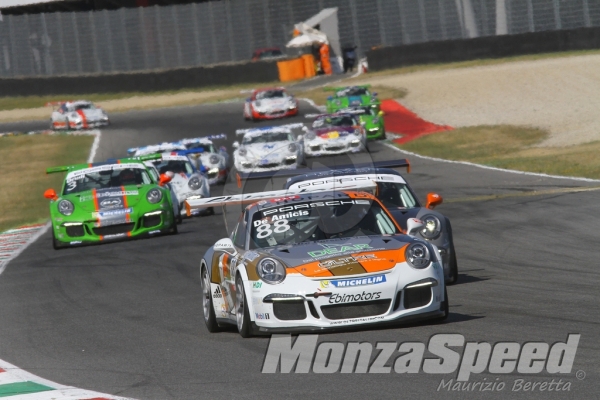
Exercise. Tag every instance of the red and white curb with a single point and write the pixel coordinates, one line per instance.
(14, 241)
(17, 384)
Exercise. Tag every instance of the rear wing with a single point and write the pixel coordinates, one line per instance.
(401, 163)
(201, 139)
(249, 198)
(287, 128)
(156, 148)
(338, 88)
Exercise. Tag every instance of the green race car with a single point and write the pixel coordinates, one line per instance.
(351, 96)
(371, 119)
(109, 200)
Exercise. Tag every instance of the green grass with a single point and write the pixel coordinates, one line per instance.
(23, 174)
(510, 147)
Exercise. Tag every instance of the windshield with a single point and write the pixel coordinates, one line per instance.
(206, 148)
(393, 195)
(268, 137)
(104, 177)
(83, 107)
(270, 94)
(342, 120)
(353, 91)
(175, 166)
(311, 221)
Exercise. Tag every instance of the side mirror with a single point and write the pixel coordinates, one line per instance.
(235, 145)
(50, 194)
(164, 179)
(300, 137)
(374, 93)
(380, 114)
(413, 225)
(433, 200)
(225, 245)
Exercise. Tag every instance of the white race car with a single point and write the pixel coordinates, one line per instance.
(317, 261)
(217, 163)
(268, 149)
(187, 181)
(80, 114)
(335, 134)
(270, 103)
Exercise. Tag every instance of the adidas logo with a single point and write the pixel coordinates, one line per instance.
(218, 294)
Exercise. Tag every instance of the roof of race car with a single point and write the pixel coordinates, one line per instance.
(171, 146)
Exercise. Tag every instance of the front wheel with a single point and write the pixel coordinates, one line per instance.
(453, 268)
(56, 244)
(445, 307)
(207, 304)
(242, 314)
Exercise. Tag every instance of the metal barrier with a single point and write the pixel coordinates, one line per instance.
(155, 38)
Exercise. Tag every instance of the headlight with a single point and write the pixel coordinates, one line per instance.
(375, 120)
(432, 227)
(65, 207)
(292, 148)
(194, 183)
(310, 135)
(214, 159)
(242, 152)
(154, 196)
(213, 171)
(417, 255)
(271, 271)
(357, 132)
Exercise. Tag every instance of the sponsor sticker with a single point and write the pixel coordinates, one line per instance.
(337, 298)
(262, 316)
(329, 249)
(342, 283)
(217, 294)
(257, 285)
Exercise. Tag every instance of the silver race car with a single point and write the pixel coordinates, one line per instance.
(335, 134)
(318, 261)
(217, 163)
(268, 149)
(80, 114)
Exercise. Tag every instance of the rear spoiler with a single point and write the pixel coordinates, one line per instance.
(248, 198)
(335, 89)
(401, 163)
(199, 139)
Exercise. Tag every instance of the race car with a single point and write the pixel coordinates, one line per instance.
(217, 163)
(81, 114)
(268, 148)
(186, 181)
(270, 103)
(371, 120)
(399, 198)
(214, 164)
(352, 96)
(318, 261)
(109, 200)
(335, 134)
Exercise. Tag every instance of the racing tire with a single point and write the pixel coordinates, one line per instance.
(453, 278)
(445, 307)
(208, 308)
(56, 244)
(174, 229)
(242, 314)
(179, 219)
(67, 126)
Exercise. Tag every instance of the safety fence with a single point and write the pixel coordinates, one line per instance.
(155, 38)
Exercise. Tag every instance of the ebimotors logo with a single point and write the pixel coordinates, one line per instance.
(450, 354)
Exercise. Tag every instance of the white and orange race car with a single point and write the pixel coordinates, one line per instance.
(81, 114)
(270, 103)
(314, 261)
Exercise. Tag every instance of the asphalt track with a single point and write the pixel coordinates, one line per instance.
(126, 318)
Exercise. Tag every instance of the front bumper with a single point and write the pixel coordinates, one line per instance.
(88, 124)
(215, 177)
(375, 134)
(246, 166)
(70, 231)
(274, 114)
(321, 147)
(316, 304)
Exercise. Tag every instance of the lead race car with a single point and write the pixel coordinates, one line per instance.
(216, 162)
(338, 133)
(299, 261)
(268, 148)
(109, 200)
(81, 114)
(270, 103)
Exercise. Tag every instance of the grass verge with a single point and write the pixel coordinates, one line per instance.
(24, 179)
(510, 147)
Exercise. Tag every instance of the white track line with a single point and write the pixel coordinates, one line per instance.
(510, 171)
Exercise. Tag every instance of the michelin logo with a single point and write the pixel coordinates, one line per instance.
(371, 280)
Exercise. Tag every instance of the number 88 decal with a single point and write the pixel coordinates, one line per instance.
(280, 226)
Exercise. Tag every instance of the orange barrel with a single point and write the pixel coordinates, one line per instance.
(291, 70)
(309, 65)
